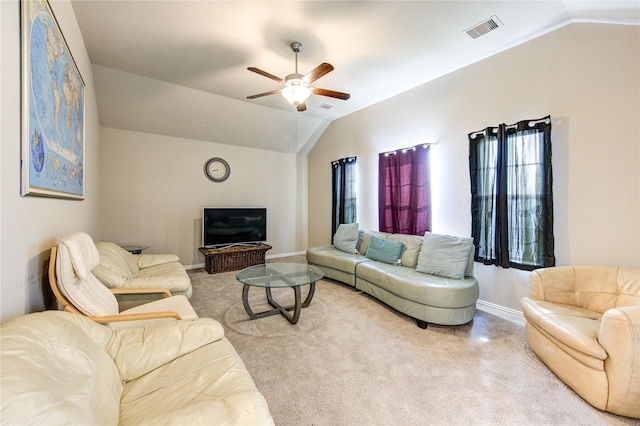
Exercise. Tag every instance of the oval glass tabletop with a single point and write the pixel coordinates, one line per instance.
(280, 275)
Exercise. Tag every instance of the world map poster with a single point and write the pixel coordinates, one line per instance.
(52, 108)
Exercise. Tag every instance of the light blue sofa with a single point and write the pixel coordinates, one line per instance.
(426, 297)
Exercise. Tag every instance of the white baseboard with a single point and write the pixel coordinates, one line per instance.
(196, 266)
(275, 256)
(501, 311)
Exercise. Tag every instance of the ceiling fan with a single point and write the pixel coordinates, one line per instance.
(297, 87)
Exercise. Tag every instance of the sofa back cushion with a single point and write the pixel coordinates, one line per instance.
(412, 246)
(117, 260)
(77, 256)
(364, 238)
(595, 288)
(628, 287)
(445, 255)
(346, 237)
(53, 372)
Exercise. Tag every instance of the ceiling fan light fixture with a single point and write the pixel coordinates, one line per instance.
(296, 91)
(297, 87)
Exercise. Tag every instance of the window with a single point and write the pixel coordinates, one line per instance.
(511, 195)
(404, 192)
(344, 192)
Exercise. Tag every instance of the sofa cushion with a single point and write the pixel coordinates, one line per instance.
(364, 236)
(210, 385)
(330, 257)
(444, 255)
(346, 237)
(82, 253)
(139, 350)
(116, 259)
(172, 276)
(412, 247)
(574, 327)
(384, 250)
(117, 267)
(595, 288)
(53, 372)
(77, 252)
(149, 260)
(430, 290)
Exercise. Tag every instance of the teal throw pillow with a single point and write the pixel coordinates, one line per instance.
(444, 255)
(346, 237)
(384, 250)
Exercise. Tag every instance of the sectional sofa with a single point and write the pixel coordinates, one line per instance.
(429, 278)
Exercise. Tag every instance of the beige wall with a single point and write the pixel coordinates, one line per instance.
(586, 76)
(154, 188)
(29, 226)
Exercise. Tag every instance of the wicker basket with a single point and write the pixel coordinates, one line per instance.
(233, 258)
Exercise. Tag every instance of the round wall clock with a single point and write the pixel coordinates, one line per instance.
(217, 169)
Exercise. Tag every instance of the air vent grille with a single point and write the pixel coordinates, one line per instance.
(484, 27)
(326, 106)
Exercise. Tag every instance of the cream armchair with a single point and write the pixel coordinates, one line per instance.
(583, 322)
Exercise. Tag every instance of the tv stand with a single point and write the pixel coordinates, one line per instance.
(233, 257)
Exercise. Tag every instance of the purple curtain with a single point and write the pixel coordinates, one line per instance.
(404, 191)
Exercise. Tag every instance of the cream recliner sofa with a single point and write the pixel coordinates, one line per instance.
(583, 322)
(61, 368)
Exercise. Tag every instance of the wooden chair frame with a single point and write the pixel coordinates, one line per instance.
(69, 307)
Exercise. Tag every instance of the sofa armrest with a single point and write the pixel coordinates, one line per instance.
(139, 350)
(148, 260)
(620, 337)
(141, 316)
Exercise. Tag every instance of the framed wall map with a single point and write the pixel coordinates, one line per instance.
(52, 108)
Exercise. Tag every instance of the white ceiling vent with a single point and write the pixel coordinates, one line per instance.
(326, 106)
(484, 27)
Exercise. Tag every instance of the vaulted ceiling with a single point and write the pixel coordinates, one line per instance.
(179, 68)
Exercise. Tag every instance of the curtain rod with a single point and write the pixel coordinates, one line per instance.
(511, 126)
(412, 148)
(348, 159)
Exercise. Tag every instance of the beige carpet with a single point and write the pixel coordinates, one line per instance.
(352, 360)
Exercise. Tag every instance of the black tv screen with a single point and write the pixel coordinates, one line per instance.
(227, 226)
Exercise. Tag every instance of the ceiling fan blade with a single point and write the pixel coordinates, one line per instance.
(318, 72)
(331, 93)
(302, 107)
(259, 95)
(266, 74)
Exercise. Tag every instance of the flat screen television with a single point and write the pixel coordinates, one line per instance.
(233, 226)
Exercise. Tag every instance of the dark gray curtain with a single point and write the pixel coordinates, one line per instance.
(343, 173)
(512, 197)
(404, 191)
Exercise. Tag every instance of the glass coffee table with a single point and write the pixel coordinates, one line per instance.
(280, 275)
